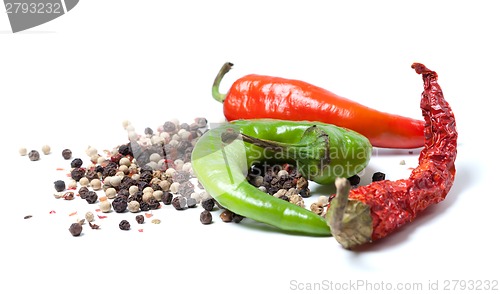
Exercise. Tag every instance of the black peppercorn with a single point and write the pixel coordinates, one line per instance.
(83, 192)
(124, 225)
(66, 154)
(76, 163)
(186, 189)
(378, 176)
(208, 204)
(75, 229)
(140, 219)
(166, 198)
(144, 206)
(354, 180)
(59, 185)
(119, 204)
(148, 131)
(179, 203)
(237, 218)
(34, 155)
(206, 217)
(91, 197)
(153, 203)
(191, 202)
(169, 127)
(78, 173)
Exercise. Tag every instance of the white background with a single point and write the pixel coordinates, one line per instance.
(71, 82)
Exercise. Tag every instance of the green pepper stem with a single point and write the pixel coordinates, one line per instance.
(215, 87)
(350, 221)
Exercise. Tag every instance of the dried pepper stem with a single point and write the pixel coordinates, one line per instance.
(394, 203)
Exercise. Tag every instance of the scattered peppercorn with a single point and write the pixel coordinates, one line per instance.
(91, 197)
(46, 149)
(208, 204)
(76, 163)
(119, 204)
(140, 219)
(28, 216)
(237, 218)
(124, 225)
(206, 217)
(179, 202)
(166, 198)
(59, 185)
(378, 176)
(191, 202)
(23, 151)
(89, 216)
(66, 154)
(354, 180)
(77, 173)
(75, 229)
(34, 155)
(227, 216)
(83, 192)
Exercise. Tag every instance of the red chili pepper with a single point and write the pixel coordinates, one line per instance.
(372, 212)
(257, 96)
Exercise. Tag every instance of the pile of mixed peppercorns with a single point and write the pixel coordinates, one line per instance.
(141, 175)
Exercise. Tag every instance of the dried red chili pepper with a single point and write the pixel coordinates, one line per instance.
(259, 96)
(372, 212)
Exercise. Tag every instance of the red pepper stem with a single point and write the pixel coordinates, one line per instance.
(215, 87)
(350, 220)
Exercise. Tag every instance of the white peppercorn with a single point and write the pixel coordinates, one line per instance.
(204, 195)
(155, 157)
(158, 195)
(135, 177)
(46, 149)
(132, 190)
(297, 199)
(165, 185)
(105, 206)
(115, 181)
(89, 216)
(147, 190)
(134, 206)
(170, 172)
(174, 187)
(96, 184)
(123, 168)
(282, 173)
(84, 182)
(125, 161)
(322, 200)
(91, 151)
(111, 193)
(147, 196)
(23, 151)
(72, 184)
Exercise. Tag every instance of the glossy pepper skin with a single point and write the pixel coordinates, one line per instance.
(222, 168)
(260, 96)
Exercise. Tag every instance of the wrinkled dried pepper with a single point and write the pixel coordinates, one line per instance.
(371, 212)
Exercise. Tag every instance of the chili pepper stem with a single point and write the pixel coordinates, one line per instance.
(350, 221)
(215, 87)
(312, 149)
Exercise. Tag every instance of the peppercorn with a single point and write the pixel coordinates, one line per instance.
(153, 203)
(191, 202)
(78, 173)
(144, 206)
(354, 180)
(237, 218)
(89, 216)
(120, 204)
(91, 197)
(227, 216)
(186, 188)
(208, 204)
(206, 217)
(83, 192)
(166, 198)
(66, 154)
(124, 225)
(179, 202)
(23, 151)
(46, 149)
(76, 163)
(34, 155)
(140, 219)
(134, 206)
(59, 185)
(75, 229)
(378, 176)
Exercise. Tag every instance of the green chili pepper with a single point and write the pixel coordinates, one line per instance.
(321, 152)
